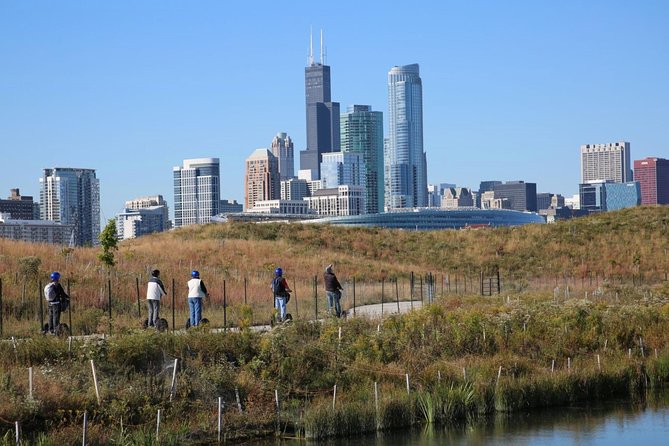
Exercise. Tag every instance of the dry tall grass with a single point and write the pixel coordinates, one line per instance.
(612, 247)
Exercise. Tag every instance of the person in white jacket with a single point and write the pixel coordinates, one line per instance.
(154, 291)
(196, 292)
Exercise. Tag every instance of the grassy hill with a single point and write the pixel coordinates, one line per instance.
(629, 246)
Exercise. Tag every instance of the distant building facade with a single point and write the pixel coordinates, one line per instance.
(522, 196)
(71, 196)
(294, 189)
(142, 216)
(653, 177)
(262, 178)
(282, 148)
(230, 206)
(405, 172)
(197, 191)
(152, 201)
(602, 162)
(21, 207)
(132, 223)
(457, 197)
(602, 196)
(488, 201)
(362, 132)
(338, 201)
(343, 168)
(293, 207)
(36, 231)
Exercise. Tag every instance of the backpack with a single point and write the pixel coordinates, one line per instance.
(50, 292)
(278, 287)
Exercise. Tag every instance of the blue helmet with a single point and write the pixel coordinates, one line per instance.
(278, 272)
(55, 275)
(195, 274)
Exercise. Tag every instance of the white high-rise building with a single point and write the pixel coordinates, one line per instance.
(72, 196)
(282, 148)
(196, 191)
(142, 216)
(405, 162)
(602, 162)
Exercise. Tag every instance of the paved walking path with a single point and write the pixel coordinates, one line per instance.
(385, 309)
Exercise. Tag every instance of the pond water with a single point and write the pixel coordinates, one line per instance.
(612, 423)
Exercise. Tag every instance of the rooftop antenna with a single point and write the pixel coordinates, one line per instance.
(322, 56)
(311, 46)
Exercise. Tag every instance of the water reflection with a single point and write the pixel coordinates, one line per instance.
(612, 423)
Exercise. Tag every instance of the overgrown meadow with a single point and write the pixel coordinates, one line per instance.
(541, 342)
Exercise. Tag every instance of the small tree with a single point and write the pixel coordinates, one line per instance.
(108, 243)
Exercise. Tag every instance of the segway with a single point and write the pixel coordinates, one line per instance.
(161, 324)
(61, 330)
(203, 321)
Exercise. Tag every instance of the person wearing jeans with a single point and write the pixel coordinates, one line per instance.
(332, 290)
(281, 292)
(154, 291)
(196, 292)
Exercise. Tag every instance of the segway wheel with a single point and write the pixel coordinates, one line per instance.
(145, 324)
(161, 325)
(62, 330)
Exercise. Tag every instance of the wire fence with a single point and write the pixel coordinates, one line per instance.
(101, 302)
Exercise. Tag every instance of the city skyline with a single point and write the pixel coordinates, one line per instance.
(511, 91)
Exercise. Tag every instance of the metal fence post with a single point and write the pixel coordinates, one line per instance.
(69, 307)
(173, 304)
(2, 308)
(110, 305)
(41, 306)
(353, 294)
(139, 310)
(225, 308)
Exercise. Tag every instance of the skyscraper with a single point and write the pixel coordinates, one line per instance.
(653, 176)
(262, 178)
(606, 162)
(72, 196)
(282, 148)
(362, 132)
(197, 191)
(322, 114)
(405, 161)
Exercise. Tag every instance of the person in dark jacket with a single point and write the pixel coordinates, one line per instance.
(54, 295)
(154, 291)
(281, 292)
(332, 290)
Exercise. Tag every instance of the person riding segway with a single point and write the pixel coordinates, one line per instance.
(58, 301)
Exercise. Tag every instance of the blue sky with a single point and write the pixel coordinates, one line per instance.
(510, 89)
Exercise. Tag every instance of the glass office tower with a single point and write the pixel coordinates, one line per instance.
(362, 132)
(405, 162)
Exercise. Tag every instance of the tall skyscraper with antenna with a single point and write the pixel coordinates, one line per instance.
(322, 114)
